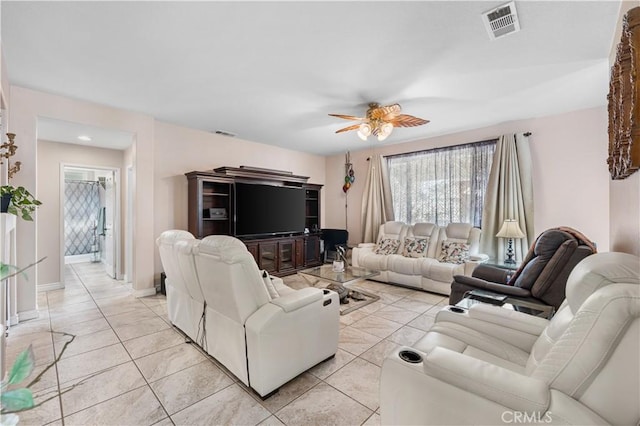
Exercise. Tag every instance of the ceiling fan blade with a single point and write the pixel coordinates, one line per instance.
(347, 117)
(405, 120)
(346, 129)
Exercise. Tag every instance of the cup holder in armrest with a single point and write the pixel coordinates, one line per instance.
(457, 310)
(410, 356)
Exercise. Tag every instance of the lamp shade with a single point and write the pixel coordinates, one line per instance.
(510, 229)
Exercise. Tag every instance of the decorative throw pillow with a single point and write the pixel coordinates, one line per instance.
(387, 246)
(271, 288)
(415, 247)
(454, 252)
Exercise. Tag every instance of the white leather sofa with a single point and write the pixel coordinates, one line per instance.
(264, 332)
(425, 272)
(489, 365)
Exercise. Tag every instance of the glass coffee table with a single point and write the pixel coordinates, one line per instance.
(340, 282)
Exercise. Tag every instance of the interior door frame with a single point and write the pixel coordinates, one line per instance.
(117, 215)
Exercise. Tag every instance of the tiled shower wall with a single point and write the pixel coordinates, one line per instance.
(81, 214)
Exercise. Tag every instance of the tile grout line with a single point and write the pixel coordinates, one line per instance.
(107, 369)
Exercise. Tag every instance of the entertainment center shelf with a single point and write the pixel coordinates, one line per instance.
(214, 205)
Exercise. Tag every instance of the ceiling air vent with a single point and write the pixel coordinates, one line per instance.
(501, 21)
(225, 133)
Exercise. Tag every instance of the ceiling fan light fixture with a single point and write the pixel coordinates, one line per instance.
(380, 121)
(364, 131)
(385, 131)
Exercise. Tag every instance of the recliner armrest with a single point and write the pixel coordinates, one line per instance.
(491, 273)
(491, 286)
(487, 313)
(298, 299)
(366, 245)
(362, 248)
(498, 384)
(479, 258)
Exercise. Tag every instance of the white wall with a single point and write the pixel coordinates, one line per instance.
(26, 106)
(50, 156)
(180, 150)
(624, 201)
(570, 175)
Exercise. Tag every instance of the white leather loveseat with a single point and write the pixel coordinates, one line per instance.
(264, 332)
(423, 255)
(488, 365)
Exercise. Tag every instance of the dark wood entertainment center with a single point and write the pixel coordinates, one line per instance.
(211, 212)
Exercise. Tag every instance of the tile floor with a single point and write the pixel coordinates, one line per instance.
(128, 366)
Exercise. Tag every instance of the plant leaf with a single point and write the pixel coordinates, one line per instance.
(22, 367)
(15, 400)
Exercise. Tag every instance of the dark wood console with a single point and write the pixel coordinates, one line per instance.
(211, 212)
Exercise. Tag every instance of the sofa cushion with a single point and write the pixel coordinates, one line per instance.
(376, 262)
(454, 252)
(442, 271)
(415, 247)
(387, 246)
(406, 265)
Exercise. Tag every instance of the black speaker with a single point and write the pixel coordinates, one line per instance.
(163, 278)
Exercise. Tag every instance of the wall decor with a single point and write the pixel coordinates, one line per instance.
(349, 174)
(624, 101)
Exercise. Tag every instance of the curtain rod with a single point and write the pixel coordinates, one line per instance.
(527, 134)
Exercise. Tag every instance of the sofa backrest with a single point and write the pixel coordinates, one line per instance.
(229, 277)
(591, 348)
(425, 231)
(166, 243)
(548, 263)
(393, 230)
(461, 233)
(183, 252)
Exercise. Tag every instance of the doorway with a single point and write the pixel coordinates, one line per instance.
(90, 212)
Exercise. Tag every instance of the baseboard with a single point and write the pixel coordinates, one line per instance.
(145, 292)
(13, 320)
(50, 286)
(78, 258)
(28, 315)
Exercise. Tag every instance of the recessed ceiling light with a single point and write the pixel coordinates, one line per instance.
(84, 138)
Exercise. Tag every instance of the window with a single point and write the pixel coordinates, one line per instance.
(441, 185)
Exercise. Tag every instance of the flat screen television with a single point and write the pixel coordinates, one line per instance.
(263, 210)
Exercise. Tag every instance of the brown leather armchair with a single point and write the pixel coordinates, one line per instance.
(542, 276)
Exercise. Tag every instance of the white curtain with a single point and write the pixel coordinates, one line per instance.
(509, 195)
(376, 200)
(443, 185)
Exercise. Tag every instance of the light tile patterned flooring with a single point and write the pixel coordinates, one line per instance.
(129, 366)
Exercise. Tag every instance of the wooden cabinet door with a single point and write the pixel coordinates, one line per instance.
(268, 256)
(286, 255)
(300, 252)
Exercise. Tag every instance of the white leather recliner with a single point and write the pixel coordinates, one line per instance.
(185, 302)
(264, 332)
(489, 365)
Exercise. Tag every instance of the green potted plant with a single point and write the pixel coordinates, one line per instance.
(22, 202)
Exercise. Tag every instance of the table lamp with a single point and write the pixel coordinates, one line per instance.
(510, 230)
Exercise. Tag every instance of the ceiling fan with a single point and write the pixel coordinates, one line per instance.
(380, 121)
